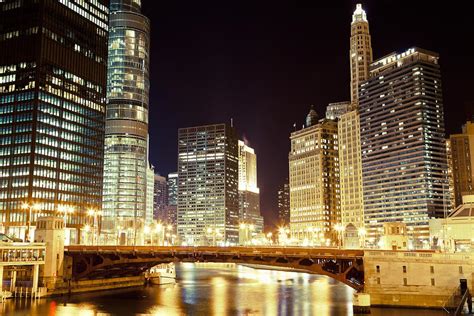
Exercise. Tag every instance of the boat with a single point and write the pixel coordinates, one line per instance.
(164, 273)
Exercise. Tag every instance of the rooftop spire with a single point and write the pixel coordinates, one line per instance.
(359, 14)
(312, 117)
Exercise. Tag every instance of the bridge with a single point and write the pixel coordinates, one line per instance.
(100, 262)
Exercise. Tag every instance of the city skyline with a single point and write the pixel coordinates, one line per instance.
(247, 64)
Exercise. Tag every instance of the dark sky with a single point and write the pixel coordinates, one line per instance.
(263, 63)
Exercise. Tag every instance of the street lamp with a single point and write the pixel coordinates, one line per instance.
(26, 206)
(93, 214)
(362, 232)
(339, 229)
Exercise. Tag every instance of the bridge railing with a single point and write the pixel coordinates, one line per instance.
(22, 252)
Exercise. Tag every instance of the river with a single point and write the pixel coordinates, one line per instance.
(212, 290)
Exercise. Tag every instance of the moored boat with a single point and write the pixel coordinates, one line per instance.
(164, 273)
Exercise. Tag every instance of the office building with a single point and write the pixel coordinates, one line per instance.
(335, 110)
(172, 199)
(52, 106)
(160, 199)
(350, 160)
(449, 192)
(314, 181)
(208, 169)
(249, 193)
(403, 147)
(284, 204)
(126, 200)
(462, 154)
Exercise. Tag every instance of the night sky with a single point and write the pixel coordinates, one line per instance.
(263, 64)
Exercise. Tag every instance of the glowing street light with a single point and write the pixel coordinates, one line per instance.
(339, 229)
(26, 206)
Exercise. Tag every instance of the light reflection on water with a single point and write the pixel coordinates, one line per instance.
(212, 291)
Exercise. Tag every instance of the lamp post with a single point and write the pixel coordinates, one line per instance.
(26, 206)
(66, 209)
(362, 232)
(339, 229)
(93, 214)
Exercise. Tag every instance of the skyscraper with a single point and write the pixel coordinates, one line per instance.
(284, 204)
(208, 168)
(314, 181)
(172, 198)
(350, 161)
(462, 154)
(335, 110)
(160, 199)
(127, 171)
(52, 107)
(360, 51)
(449, 157)
(249, 193)
(403, 146)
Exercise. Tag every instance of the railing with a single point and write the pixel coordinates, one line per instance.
(455, 303)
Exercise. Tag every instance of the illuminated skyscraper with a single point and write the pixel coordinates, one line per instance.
(335, 110)
(160, 199)
(208, 170)
(360, 51)
(314, 181)
(452, 199)
(126, 202)
(350, 161)
(462, 154)
(284, 204)
(172, 198)
(52, 105)
(249, 193)
(403, 146)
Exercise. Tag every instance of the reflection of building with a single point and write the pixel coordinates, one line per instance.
(350, 161)
(284, 204)
(160, 199)
(249, 193)
(52, 105)
(126, 167)
(172, 198)
(314, 180)
(462, 153)
(403, 147)
(208, 206)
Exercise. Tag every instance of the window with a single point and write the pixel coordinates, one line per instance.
(378, 280)
(432, 282)
(405, 282)
(460, 270)
(404, 269)
(431, 269)
(378, 269)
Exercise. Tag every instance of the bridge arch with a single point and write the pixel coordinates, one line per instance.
(94, 262)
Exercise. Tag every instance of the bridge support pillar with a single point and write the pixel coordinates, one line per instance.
(1, 279)
(361, 303)
(34, 287)
(13, 281)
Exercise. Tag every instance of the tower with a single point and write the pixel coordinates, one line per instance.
(128, 179)
(360, 51)
(350, 160)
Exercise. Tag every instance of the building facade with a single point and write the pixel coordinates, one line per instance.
(160, 198)
(314, 182)
(452, 199)
(249, 193)
(350, 159)
(336, 109)
(284, 204)
(403, 147)
(172, 199)
(52, 108)
(208, 170)
(462, 154)
(126, 167)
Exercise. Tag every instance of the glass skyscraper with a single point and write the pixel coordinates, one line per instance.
(126, 199)
(403, 147)
(208, 168)
(52, 106)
